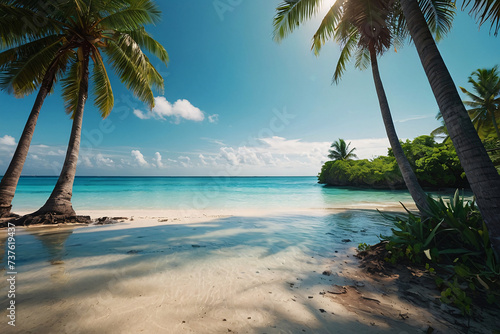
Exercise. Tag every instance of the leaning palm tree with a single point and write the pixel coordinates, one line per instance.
(29, 61)
(483, 178)
(340, 151)
(365, 28)
(88, 29)
(485, 101)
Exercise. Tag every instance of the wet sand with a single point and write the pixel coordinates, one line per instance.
(205, 272)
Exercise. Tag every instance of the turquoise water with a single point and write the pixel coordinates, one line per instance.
(201, 193)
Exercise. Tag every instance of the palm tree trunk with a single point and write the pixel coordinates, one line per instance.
(9, 181)
(481, 174)
(59, 201)
(416, 191)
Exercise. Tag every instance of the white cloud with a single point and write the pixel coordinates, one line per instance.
(181, 109)
(101, 161)
(157, 160)
(203, 160)
(141, 115)
(185, 161)
(85, 160)
(139, 158)
(370, 148)
(281, 154)
(58, 153)
(7, 142)
(414, 118)
(213, 118)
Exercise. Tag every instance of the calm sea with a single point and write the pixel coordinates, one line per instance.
(201, 193)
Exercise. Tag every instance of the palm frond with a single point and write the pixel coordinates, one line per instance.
(145, 41)
(290, 14)
(137, 14)
(134, 77)
(23, 76)
(349, 46)
(71, 85)
(25, 50)
(439, 15)
(363, 59)
(485, 10)
(327, 27)
(103, 93)
(20, 25)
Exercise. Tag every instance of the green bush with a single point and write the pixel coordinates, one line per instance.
(453, 237)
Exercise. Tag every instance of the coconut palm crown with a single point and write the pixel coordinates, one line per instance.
(340, 151)
(484, 100)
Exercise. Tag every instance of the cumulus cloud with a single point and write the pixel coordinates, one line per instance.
(213, 118)
(7, 142)
(141, 115)
(157, 160)
(278, 153)
(370, 148)
(102, 161)
(84, 160)
(181, 109)
(139, 158)
(184, 161)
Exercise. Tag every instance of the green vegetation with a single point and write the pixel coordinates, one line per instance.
(454, 245)
(484, 101)
(435, 165)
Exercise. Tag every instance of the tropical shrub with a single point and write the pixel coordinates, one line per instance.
(454, 238)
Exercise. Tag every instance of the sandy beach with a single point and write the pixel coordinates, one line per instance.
(208, 272)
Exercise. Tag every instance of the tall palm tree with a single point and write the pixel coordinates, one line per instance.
(481, 173)
(29, 61)
(340, 151)
(485, 102)
(366, 28)
(88, 28)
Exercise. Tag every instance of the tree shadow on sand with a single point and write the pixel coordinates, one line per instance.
(160, 272)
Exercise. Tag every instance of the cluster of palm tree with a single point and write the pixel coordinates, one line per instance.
(45, 42)
(366, 29)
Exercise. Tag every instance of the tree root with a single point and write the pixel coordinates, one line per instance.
(46, 219)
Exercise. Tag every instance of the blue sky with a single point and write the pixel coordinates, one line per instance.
(237, 103)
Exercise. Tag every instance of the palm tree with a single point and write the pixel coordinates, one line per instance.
(27, 63)
(88, 28)
(485, 104)
(481, 173)
(366, 28)
(341, 151)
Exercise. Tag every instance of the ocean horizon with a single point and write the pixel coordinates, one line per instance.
(203, 192)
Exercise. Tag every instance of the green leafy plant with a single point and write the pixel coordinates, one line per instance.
(454, 238)
(363, 247)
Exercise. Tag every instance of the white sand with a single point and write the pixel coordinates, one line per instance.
(198, 272)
